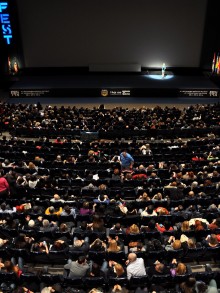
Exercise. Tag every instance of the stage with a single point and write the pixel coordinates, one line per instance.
(144, 84)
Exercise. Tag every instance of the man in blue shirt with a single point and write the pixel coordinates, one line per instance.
(127, 161)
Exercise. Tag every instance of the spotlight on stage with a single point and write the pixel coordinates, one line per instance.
(158, 76)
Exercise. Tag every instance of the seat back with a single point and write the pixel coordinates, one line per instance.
(94, 282)
(136, 282)
(116, 256)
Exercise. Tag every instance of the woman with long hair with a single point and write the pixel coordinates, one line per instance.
(185, 226)
(98, 224)
(113, 246)
(116, 270)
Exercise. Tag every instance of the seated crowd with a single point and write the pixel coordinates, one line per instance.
(116, 215)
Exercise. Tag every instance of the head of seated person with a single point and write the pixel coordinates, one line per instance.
(181, 269)
(113, 246)
(51, 210)
(191, 243)
(138, 247)
(59, 245)
(97, 245)
(3, 242)
(167, 225)
(176, 244)
(199, 226)
(212, 240)
(131, 209)
(151, 226)
(185, 226)
(133, 229)
(63, 227)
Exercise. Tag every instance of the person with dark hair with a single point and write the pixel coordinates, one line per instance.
(202, 287)
(126, 160)
(188, 285)
(10, 266)
(98, 224)
(97, 270)
(76, 269)
(138, 247)
(166, 226)
(60, 245)
(211, 241)
(149, 212)
(151, 227)
(23, 242)
(158, 268)
(69, 211)
(98, 245)
(117, 229)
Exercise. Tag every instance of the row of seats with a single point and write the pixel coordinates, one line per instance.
(88, 283)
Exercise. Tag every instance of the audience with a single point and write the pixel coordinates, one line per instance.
(168, 197)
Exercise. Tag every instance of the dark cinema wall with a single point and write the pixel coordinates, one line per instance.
(81, 32)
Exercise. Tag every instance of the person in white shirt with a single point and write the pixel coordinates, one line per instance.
(135, 266)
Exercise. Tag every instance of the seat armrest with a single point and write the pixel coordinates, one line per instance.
(208, 268)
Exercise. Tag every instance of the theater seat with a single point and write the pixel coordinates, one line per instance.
(116, 256)
(51, 279)
(94, 282)
(8, 277)
(171, 254)
(29, 278)
(74, 255)
(205, 275)
(97, 256)
(161, 279)
(212, 253)
(194, 254)
(76, 283)
(152, 256)
(58, 257)
(182, 278)
(20, 252)
(135, 282)
(117, 281)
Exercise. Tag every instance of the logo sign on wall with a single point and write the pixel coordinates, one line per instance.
(200, 93)
(5, 22)
(115, 92)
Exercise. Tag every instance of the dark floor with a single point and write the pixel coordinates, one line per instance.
(126, 102)
(149, 80)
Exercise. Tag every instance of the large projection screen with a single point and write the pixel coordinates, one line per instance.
(73, 33)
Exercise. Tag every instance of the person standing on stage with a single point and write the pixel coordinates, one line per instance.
(163, 69)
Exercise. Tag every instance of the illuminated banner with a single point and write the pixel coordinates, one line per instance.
(5, 22)
(200, 93)
(115, 92)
